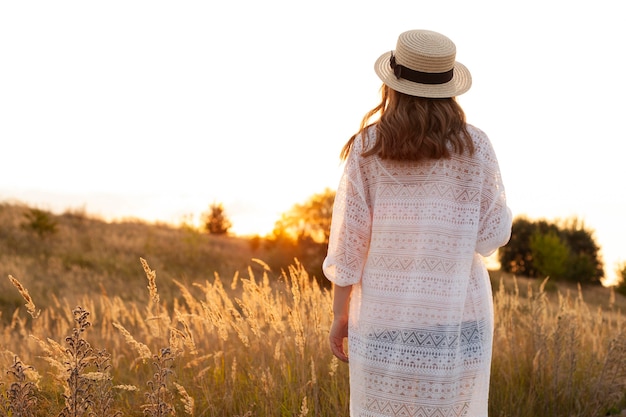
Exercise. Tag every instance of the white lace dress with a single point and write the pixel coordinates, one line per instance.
(408, 236)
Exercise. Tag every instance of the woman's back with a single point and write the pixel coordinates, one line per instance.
(420, 200)
(421, 315)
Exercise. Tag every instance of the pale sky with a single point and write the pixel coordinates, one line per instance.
(156, 109)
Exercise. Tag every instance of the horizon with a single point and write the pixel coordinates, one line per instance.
(182, 217)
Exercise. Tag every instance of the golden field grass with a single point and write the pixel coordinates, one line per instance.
(134, 319)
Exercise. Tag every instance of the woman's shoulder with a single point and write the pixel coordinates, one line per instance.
(476, 132)
(480, 138)
(364, 140)
(483, 149)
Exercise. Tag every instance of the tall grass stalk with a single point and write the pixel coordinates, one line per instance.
(30, 305)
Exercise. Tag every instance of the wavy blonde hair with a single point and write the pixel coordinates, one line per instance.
(413, 128)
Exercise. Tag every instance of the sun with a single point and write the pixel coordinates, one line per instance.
(252, 225)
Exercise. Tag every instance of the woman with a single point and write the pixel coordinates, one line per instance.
(420, 201)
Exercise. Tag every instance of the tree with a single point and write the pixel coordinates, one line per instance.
(538, 248)
(302, 232)
(549, 254)
(308, 221)
(585, 263)
(215, 220)
(516, 256)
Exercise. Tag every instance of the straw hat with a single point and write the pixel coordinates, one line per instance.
(424, 65)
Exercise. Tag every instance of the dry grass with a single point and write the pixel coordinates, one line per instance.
(255, 344)
(252, 347)
(87, 257)
(556, 355)
(257, 348)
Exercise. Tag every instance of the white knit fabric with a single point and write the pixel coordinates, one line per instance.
(408, 236)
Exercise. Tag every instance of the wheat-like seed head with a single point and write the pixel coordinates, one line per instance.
(233, 284)
(304, 408)
(143, 350)
(295, 288)
(176, 341)
(313, 373)
(295, 322)
(126, 387)
(274, 318)
(187, 334)
(251, 319)
(187, 400)
(57, 350)
(277, 350)
(97, 376)
(30, 305)
(157, 323)
(267, 381)
(239, 325)
(18, 322)
(194, 363)
(216, 319)
(334, 364)
(233, 371)
(265, 266)
(190, 300)
(53, 350)
(200, 374)
(152, 288)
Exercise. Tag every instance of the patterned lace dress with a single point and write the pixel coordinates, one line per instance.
(408, 236)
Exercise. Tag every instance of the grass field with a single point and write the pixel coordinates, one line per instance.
(133, 319)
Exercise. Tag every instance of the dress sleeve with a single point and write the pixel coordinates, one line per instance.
(495, 216)
(350, 228)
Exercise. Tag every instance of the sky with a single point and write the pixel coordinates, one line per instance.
(157, 109)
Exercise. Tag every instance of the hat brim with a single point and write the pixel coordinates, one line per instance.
(461, 81)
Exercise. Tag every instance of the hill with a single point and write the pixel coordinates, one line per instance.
(82, 255)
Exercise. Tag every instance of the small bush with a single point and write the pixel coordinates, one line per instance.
(40, 222)
(550, 254)
(539, 247)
